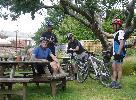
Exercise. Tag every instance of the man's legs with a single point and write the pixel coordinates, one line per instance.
(114, 69)
(119, 70)
(117, 74)
(40, 69)
(114, 75)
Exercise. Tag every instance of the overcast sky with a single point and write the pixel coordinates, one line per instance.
(25, 23)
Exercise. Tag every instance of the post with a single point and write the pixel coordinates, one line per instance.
(16, 37)
(16, 41)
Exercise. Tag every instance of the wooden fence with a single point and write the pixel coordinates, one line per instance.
(92, 45)
(95, 45)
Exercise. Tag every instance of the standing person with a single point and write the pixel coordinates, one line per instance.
(118, 53)
(50, 36)
(41, 53)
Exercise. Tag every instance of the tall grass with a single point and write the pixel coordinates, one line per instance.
(129, 65)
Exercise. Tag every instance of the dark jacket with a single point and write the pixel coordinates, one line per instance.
(52, 37)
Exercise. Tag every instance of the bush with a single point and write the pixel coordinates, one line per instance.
(129, 65)
(131, 52)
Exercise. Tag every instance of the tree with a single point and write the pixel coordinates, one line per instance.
(2, 35)
(88, 12)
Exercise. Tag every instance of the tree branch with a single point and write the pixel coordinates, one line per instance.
(75, 8)
(130, 12)
(77, 17)
(45, 6)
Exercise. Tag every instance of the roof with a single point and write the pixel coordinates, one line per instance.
(4, 41)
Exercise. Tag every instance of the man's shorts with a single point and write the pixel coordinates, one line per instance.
(118, 60)
(82, 55)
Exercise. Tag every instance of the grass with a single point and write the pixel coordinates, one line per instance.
(90, 90)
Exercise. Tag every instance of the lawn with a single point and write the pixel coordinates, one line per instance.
(90, 90)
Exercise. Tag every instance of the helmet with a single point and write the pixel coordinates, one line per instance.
(117, 21)
(43, 38)
(69, 36)
(49, 24)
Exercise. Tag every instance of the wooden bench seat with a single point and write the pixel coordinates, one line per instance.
(52, 80)
(10, 82)
(26, 74)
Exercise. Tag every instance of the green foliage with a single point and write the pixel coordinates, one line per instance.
(79, 30)
(18, 7)
(56, 16)
(38, 35)
(63, 25)
(129, 65)
(131, 52)
(134, 34)
(107, 22)
(107, 26)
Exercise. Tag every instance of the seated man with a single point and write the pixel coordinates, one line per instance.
(41, 53)
(74, 46)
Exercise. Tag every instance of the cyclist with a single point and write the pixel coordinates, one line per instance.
(118, 53)
(41, 53)
(74, 46)
(50, 36)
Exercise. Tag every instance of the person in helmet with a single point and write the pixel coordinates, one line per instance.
(50, 36)
(41, 53)
(74, 46)
(118, 53)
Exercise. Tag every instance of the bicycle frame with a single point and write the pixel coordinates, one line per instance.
(100, 71)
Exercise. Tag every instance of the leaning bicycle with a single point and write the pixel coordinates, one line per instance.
(94, 68)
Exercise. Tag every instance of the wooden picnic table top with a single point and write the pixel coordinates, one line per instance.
(22, 62)
(12, 80)
(64, 58)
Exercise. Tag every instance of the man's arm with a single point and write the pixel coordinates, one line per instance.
(108, 34)
(120, 46)
(54, 58)
(55, 39)
(37, 59)
(77, 46)
(76, 49)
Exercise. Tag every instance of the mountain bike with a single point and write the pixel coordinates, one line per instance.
(94, 68)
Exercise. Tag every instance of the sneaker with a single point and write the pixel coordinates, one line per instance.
(113, 84)
(75, 76)
(118, 86)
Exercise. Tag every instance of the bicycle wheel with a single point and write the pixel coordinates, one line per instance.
(93, 72)
(105, 78)
(82, 72)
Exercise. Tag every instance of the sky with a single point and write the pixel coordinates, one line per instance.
(24, 23)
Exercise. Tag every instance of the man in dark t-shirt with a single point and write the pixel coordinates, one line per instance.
(74, 45)
(51, 37)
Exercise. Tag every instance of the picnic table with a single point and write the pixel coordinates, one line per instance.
(33, 78)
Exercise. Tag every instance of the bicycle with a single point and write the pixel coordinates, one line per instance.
(94, 68)
(71, 64)
(68, 67)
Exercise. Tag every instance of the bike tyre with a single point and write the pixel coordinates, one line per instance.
(81, 74)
